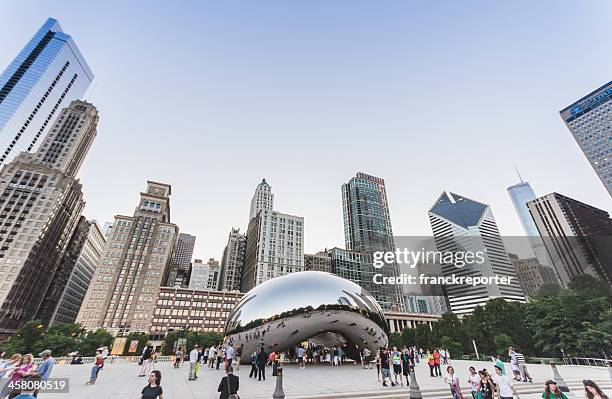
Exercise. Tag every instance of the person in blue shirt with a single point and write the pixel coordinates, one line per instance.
(45, 367)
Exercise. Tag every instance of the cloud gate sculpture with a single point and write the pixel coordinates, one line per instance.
(310, 305)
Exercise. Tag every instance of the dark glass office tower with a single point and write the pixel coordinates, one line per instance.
(367, 229)
(45, 77)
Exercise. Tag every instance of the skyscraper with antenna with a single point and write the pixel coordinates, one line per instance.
(520, 194)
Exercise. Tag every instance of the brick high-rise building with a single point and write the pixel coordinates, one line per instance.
(126, 284)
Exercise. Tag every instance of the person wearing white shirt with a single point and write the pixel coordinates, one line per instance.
(212, 354)
(503, 383)
(229, 355)
(193, 359)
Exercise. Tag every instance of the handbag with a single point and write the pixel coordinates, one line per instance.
(230, 395)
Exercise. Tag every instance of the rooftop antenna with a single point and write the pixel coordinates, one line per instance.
(518, 173)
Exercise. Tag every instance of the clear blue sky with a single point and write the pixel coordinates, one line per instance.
(211, 97)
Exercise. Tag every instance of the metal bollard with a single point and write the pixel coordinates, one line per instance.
(415, 391)
(278, 390)
(563, 387)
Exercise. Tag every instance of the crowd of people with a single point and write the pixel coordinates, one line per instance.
(20, 368)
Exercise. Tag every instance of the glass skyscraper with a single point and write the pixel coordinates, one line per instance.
(520, 194)
(367, 229)
(45, 77)
(590, 121)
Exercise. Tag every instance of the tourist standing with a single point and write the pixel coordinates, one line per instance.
(474, 381)
(552, 391)
(220, 355)
(300, 356)
(98, 363)
(592, 390)
(366, 358)
(229, 356)
(253, 372)
(212, 356)
(431, 363)
(505, 389)
(45, 367)
(153, 390)
(229, 385)
(262, 358)
(238, 356)
(193, 359)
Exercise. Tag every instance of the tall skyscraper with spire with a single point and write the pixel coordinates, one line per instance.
(367, 229)
(124, 289)
(262, 199)
(40, 204)
(520, 194)
(45, 77)
(460, 224)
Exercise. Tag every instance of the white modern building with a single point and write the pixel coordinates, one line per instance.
(460, 224)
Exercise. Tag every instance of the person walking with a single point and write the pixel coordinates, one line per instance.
(366, 358)
(45, 367)
(177, 359)
(523, 366)
(153, 390)
(396, 360)
(514, 364)
(253, 372)
(220, 356)
(229, 385)
(453, 382)
(474, 381)
(212, 356)
(592, 390)
(552, 391)
(238, 356)
(385, 364)
(486, 388)
(431, 363)
(95, 370)
(378, 353)
(436, 355)
(407, 364)
(505, 389)
(262, 358)
(498, 362)
(193, 360)
(146, 360)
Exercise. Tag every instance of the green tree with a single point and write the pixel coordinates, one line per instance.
(454, 347)
(94, 340)
(395, 339)
(422, 336)
(502, 343)
(408, 336)
(590, 286)
(27, 339)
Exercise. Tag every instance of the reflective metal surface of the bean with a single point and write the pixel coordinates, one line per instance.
(291, 309)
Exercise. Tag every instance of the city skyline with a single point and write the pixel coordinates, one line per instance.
(405, 107)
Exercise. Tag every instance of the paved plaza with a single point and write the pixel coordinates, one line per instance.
(120, 381)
